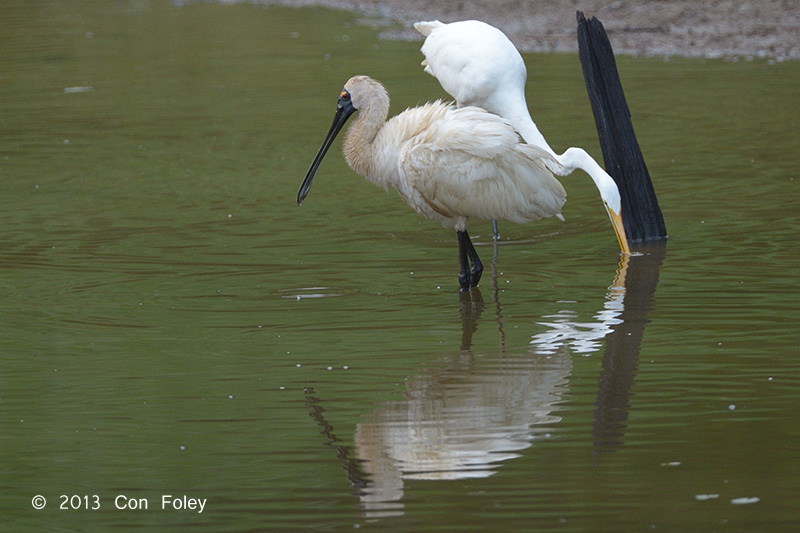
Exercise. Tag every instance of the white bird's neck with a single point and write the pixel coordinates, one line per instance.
(361, 134)
(578, 158)
(515, 110)
(528, 130)
(510, 103)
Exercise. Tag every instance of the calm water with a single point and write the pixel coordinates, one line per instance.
(171, 323)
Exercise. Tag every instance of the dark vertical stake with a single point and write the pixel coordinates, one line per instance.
(641, 214)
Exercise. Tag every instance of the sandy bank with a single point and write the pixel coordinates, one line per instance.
(694, 28)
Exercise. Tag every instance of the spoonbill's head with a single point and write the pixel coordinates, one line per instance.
(359, 93)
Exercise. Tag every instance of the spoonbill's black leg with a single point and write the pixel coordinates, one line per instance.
(495, 230)
(469, 275)
(463, 256)
(477, 266)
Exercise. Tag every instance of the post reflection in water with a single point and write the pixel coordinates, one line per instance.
(464, 420)
(623, 342)
(621, 323)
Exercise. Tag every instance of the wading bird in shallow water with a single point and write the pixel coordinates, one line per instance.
(447, 163)
(479, 66)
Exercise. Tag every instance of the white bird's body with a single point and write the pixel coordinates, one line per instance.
(448, 163)
(479, 66)
(453, 164)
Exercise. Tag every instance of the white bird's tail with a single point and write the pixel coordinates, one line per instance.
(426, 27)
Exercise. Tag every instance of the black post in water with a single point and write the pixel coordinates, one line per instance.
(641, 214)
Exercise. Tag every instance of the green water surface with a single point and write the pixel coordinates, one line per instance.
(171, 323)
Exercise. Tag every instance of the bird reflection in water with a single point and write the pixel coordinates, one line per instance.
(461, 421)
(464, 420)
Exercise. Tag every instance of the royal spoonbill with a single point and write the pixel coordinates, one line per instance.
(479, 66)
(447, 163)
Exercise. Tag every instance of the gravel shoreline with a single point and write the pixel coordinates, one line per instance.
(690, 28)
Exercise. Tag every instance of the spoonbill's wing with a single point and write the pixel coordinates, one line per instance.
(470, 163)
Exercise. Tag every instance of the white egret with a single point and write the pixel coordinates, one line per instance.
(479, 66)
(447, 163)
